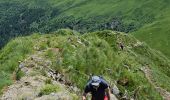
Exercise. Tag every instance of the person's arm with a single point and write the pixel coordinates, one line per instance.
(107, 89)
(86, 91)
(108, 93)
(84, 96)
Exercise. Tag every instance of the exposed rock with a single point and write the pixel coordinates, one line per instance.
(115, 90)
(56, 96)
(29, 86)
(27, 83)
(148, 73)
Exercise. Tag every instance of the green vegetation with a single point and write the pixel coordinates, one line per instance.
(49, 88)
(48, 81)
(156, 35)
(77, 56)
(16, 50)
(147, 19)
(19, 74)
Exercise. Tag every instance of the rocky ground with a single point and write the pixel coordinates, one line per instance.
(37, 75)
(148, 73)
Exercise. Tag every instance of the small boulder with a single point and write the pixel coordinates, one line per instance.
(115, 90)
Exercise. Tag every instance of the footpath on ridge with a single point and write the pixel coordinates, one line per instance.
(148, 73)
(37, 72)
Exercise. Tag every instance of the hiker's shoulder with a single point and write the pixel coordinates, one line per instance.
(89, 83)
(104, 82)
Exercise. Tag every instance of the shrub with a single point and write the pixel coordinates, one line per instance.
(49, 88)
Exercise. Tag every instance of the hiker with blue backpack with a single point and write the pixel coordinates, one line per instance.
(99, 89)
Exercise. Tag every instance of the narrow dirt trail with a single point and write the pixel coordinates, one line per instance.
(164, 93)
(29, 86)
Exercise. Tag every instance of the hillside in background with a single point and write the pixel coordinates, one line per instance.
(137, 70)
(147, 19)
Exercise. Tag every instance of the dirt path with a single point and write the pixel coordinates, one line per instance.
(148, 73)
(29, 86)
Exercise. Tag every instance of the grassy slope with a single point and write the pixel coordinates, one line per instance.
(96, 53)
(157, 35)
(16, 50)
(151, 15)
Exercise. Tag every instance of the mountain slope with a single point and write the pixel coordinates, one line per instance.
(22, 17)
(156, 35)
(77, 56)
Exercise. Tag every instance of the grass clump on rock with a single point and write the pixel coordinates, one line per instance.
(48, 89)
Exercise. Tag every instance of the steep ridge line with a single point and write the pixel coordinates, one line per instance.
(59, 77)
(148, 73)
(29, 86)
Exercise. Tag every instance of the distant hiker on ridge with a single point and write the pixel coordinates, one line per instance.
(121, 46)
(99, 89)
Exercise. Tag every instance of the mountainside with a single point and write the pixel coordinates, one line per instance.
(157, 35)
(138, 71)
(147, 19)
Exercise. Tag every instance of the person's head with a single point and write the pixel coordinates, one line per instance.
(95, 82)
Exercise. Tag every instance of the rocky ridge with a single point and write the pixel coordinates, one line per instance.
(37, 73)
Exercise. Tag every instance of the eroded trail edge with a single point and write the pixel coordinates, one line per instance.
(148, 73)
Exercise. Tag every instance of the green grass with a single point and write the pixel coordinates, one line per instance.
(156, 35)
(92, 53)
(159, 79)
(97, 61)
(16, 50)
(49, 88)
(148, 20)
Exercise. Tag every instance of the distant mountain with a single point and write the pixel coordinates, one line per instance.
(147, 19)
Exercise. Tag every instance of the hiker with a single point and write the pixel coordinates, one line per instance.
(99, 89)
(121, 46)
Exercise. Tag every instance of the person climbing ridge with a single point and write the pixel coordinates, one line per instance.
(99, 89)
(121, 46)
